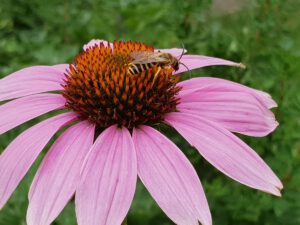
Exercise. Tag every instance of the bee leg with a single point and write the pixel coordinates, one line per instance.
(156, 74)
(130, 71)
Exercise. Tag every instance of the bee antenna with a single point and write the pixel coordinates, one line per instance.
(186, 68)
(182, 51)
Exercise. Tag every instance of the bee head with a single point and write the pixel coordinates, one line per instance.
(176, 65)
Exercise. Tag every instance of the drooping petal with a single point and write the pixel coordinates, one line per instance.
(94, 42)
(31, 80)
(226, 152)
(170, 178)
(108, 179)
(238, 112)
(24, 109)
(198, 61)
(57, 178)
(217, 84)
(22, 152)
(177, 52)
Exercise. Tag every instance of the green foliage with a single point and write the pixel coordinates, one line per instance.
(264, 35)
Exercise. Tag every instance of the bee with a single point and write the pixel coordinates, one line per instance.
(146, 60)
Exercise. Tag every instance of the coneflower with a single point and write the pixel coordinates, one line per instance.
(109, 138)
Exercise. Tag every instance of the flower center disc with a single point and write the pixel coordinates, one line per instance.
(99, 88)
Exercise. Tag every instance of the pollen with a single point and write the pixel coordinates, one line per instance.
(99, 88)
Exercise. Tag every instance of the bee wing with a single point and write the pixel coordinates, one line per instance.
(146, 57)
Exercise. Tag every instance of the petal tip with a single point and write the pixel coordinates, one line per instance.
(279, 185)
(277, 193)
(275, 190)
(241, 65)
(270, 102)
(266, 98)
(273, 125)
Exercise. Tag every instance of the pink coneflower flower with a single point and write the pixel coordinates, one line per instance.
(109, 140)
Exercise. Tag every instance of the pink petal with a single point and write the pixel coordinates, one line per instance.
(170, 178)
(177, 52)
(62, 68)
(108, 180)
(31, 80)
(226, 152)
(22, 152)
(57, 178)
(217, 84)
(24, 109)
(237, 112)
(95, 42)
(198, 61)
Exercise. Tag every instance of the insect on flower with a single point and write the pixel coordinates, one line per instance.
(143, 60)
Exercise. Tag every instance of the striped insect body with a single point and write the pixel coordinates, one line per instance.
(145, 60)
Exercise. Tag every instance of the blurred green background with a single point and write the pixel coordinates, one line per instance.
(263, 34)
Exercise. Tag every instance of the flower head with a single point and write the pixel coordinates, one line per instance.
(99, 88)
(110, 139)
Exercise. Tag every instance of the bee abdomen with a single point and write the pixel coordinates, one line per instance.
(134, 69)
